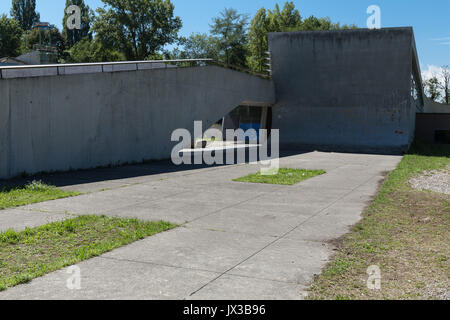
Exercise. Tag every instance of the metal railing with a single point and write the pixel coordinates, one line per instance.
(176, 62)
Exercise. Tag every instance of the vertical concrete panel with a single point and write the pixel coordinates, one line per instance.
(343, 90)
(4, 127)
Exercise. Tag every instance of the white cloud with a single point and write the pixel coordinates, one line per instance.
(441, 39)
(432, 71)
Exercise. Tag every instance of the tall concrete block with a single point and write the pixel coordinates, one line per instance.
(344, 90)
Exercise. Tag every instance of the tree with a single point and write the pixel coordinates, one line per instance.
(138, 28)
(88, 50)
(230, 31)
(445, 74)
(51, 38)
(200, 45)
(258, 44)
(288, 19)
(276, 20)
(265, 21)
(10, 37)
(432, 88)
(87, 16)
(24, 11)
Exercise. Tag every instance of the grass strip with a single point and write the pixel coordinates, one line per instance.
(404, 232)
(35, 252)
(33, 192)
(285, 176)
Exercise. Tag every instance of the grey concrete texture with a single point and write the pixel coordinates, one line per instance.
(346, 90)
(19, 219)
(436, 107)
(62, 122)
(237, 240)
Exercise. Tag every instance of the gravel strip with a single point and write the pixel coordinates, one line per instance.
(437, 181)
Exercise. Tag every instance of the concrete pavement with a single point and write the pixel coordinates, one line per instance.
(236, 240)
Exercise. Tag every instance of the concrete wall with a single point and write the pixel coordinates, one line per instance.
(429, 123)
(59, 122)
(436, 107)
(344, 90)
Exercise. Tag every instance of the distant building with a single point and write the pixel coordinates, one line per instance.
(8, 61)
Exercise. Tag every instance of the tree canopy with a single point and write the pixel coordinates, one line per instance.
(88, 50)
(230, 30)
(24, 11)
(276, 20)
(10, 37)
(137, 28)
(87, 16)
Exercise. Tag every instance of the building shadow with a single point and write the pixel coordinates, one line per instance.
(122, 172)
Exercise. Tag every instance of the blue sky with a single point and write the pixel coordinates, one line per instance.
(430, 19)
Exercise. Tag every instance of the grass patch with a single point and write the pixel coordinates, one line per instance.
(404, 231)
(284, 176)
(33, 192)
(35, 252)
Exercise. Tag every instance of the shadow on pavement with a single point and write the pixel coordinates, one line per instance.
(86, 176)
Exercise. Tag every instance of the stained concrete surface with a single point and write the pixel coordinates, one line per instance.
(346, 90)
(236, 240)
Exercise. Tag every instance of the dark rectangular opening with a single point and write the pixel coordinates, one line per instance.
(442, 136)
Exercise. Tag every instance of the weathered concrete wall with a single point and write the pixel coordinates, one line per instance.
(50, 123)
(344, 90)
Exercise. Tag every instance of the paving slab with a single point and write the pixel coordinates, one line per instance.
(286, 260)
(18, 219)
(324, 228)
(231, 287)
(114, 280)
(209, 250)
(250, 221)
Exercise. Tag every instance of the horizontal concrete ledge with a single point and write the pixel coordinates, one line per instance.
(85, 68)
(26, 73)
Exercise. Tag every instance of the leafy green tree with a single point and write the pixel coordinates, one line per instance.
(51, 38)
(265, 21)
(87, 16)
(89, 50)
(313, 23)
(24, 11)
(288, 19)
(257, 41)
(10, 37)
(276, 20)
(201, 45)
(433, 89)
(230, 31)
(137, 28)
